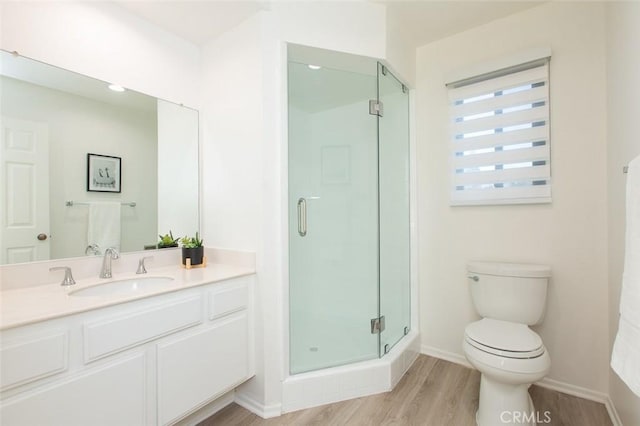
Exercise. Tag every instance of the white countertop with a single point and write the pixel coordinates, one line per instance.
(32, 304)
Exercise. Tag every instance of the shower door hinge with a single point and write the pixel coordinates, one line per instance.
(377, 325)
(376, 108)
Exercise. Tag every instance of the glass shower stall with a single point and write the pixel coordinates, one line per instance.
(349, 229)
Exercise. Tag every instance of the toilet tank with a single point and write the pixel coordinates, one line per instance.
(513, 292)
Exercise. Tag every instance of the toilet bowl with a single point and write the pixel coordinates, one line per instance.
(508, 367)
(507, 353)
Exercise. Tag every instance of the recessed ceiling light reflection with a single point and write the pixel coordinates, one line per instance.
(314, 67)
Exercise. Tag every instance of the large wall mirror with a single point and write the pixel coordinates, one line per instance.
(56, 200)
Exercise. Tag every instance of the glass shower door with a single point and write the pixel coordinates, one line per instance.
(333, 217)
(395, 268)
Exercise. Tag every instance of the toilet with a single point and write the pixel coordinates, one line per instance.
(509, 355)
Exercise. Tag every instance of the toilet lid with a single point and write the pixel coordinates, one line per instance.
(504, 336)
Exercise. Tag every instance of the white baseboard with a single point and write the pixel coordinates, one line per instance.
(613, 413)
(446, 355)
(555, 385)
(584, 393)
(573, 390)
(257, 408)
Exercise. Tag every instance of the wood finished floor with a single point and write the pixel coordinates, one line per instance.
(433, 392)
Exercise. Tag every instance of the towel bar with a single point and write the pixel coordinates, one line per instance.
(86, 203)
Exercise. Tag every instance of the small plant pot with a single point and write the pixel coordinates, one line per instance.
(195, 254)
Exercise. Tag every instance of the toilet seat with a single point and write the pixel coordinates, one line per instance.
(504, 339)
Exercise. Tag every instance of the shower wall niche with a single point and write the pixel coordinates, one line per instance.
(349, 244)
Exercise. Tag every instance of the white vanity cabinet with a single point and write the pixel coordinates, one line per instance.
(152, 361)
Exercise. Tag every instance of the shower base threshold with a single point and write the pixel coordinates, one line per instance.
(336, 384)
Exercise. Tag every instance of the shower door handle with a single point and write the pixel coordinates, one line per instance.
(302, 217)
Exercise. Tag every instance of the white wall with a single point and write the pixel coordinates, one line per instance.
(78, 126)
(232, 149)
(350, 27)
(232, 125)
(104, 41)
(570, 234)
(400, 52)
(623, 86)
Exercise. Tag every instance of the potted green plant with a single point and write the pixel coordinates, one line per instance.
(193, 250)
(167, 241)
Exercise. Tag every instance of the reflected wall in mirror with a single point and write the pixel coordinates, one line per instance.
(50, 119)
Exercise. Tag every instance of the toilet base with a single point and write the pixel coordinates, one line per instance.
(504, 404)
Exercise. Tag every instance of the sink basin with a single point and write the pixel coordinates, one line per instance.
(120, 287)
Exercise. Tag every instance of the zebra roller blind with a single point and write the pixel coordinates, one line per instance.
(500, 137)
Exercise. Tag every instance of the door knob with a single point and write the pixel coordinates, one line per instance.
(42, 237)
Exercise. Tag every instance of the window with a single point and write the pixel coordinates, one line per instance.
(500, 137)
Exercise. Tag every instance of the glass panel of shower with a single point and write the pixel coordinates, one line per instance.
(348, 196)
(393, 171)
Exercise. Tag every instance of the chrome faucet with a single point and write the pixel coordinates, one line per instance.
(68, 277)
(110, 253)
(93, 249)
(141, 267)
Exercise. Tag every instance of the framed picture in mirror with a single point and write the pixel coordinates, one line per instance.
(103, 173)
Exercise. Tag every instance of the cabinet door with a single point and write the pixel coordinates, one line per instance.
(113, 394)
(198, 367)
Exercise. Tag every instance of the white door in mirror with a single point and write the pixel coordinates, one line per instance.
(24, 162)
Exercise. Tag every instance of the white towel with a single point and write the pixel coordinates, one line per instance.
(625, 359)
(104, 225)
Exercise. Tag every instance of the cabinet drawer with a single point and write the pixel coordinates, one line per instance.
(228, 299)
(33, 358)
(111, 335)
